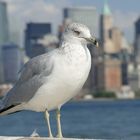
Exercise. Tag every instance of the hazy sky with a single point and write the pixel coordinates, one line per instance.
(125, 12)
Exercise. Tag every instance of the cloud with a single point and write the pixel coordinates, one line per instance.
(32, 10)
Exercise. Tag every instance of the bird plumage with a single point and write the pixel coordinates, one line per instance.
(50, 80)
(35, 73)
(31, 79)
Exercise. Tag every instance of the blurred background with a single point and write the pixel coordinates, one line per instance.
(103, 109)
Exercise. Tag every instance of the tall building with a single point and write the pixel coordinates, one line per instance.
(34, 32)
(12, 59)
(4, 34)
(137, 41)
(126, 54)
(84, 15)
(4, 29)
(137, 49)
(110, 73)
(116, 37)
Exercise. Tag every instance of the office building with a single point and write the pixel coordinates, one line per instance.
(137, 50)
(110, 68)
(34, 32)
(137, 41)
(112, 75)
(4, 34)
(12, 62)
(4, 29)
(116, 37)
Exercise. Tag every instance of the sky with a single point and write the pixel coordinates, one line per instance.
(125, 13)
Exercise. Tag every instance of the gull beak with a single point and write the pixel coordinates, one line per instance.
(93, 41)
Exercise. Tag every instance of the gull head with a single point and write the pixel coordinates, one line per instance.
(80, 32)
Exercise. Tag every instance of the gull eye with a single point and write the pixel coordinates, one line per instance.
(77, 32)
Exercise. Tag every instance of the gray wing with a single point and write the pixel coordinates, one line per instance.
(31, 79)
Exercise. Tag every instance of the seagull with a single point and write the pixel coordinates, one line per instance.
(50, 80)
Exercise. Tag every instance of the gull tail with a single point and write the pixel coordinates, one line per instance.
(10, 110)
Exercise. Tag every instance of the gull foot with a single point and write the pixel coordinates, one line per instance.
(51, 137)
(59, 136)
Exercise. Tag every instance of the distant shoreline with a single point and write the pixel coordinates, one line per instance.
(102, 99)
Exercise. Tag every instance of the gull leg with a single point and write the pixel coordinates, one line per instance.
(58, 115)
(47, 117)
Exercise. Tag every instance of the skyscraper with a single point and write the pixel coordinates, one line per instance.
(111, 45)
(4, 29)
(137, 48)
(112, 75)
(4, 34)
(12, 59)
(116, 37)
(34, 32)
(137, 41)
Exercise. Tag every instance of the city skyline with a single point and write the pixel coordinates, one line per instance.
(124, 15)
(110, 39)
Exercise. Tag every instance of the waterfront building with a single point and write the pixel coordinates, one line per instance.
(137, 42)
(34, 32)
(4, 34)
(112, 75)
(137, 49)
(110, 68)
(12, 62)
(116, 37)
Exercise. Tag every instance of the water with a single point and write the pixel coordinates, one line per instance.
(93, 119)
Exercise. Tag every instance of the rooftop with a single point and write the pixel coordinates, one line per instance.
(106, 9)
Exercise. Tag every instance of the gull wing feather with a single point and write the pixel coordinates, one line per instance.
(31, 79)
